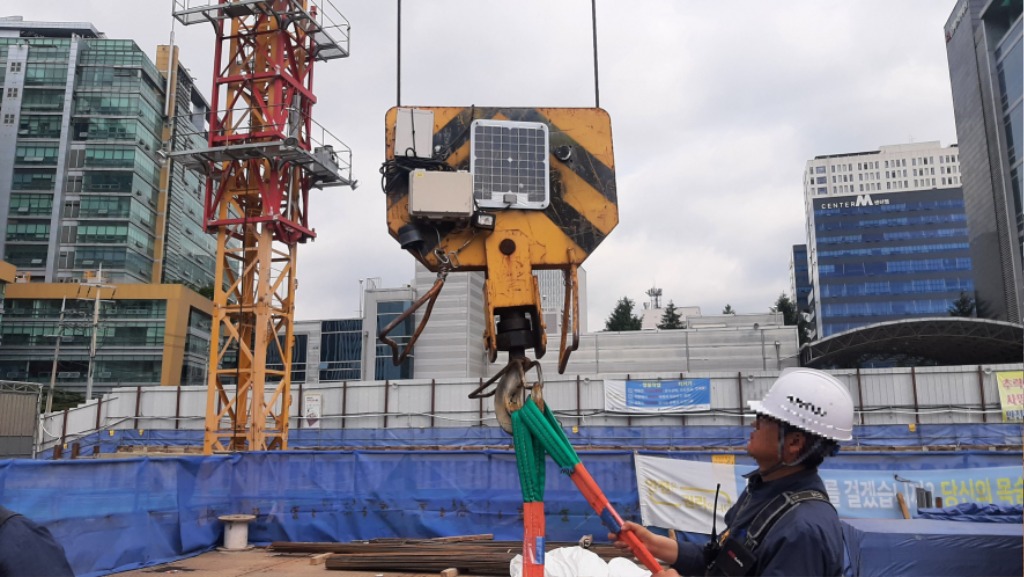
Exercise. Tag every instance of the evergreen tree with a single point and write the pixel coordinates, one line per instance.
(728, 310)
(787, 309)
(622, 318)
(964, 306)
(670, 319)
(791, 315)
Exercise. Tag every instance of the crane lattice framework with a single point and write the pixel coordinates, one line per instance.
(264, 154)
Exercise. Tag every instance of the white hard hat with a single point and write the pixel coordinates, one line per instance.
(811, 400)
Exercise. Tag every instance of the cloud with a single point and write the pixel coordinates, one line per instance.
(716, 107)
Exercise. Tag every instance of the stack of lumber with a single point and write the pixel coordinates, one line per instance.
(470, 554)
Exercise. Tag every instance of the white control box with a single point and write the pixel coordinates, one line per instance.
(440, 195)
(414, 133)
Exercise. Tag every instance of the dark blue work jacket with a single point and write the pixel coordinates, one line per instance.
(28, 550)
(807, 541)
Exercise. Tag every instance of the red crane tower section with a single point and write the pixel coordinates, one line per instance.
(263, 154)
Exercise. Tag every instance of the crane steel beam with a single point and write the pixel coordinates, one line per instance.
(260, 162)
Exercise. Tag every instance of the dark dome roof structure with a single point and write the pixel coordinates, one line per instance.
(919, 342)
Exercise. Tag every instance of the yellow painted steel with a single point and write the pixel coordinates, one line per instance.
(254, 294)
(584, 210)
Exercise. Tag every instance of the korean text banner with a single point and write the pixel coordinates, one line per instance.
(657, 396)
(679, 494)
(1011, 395)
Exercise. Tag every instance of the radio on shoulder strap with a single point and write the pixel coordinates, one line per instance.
(736, 558)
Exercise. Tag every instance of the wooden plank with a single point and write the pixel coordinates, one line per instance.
(319, 559)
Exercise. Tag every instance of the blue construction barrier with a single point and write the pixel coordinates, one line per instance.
(867, 436)
(119, 514)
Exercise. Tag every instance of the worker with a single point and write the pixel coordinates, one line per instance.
(798, 424)
(27, 549)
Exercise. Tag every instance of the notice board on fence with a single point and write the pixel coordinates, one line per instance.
(657, 395)
(1011, 395)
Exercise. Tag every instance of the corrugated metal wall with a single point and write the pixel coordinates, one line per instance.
(934, 395)
(19, 413)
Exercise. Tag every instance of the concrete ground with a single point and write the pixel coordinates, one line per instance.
(256, 562)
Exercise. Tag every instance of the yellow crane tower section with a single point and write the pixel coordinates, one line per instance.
(262, 155)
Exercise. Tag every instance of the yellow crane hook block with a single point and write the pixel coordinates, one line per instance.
(506, 191)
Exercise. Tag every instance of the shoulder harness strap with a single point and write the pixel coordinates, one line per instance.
(775, 510)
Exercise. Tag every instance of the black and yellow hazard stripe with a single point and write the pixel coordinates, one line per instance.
(583, 192)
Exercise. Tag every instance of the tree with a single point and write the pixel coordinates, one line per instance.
(964, 306)
(787, 308)
(670, 319)
(622, 318)
(728, 310)
(791, 315)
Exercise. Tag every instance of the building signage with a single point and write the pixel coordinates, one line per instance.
(657, 396)
(1011, 395)
(312, 410)
(853, 202)
(960, 10)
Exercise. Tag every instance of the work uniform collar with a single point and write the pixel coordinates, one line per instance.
(755, 482)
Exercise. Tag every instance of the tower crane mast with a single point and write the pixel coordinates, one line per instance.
(263, 154)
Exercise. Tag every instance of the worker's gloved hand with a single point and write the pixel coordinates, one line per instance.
(645, 536)
(660, 546)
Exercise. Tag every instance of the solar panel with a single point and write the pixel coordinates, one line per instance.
(509, 164)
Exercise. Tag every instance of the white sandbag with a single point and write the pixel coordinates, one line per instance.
(622, 567)
(579, 562)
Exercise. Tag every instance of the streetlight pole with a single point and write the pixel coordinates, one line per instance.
(95, 329)
(56, 353)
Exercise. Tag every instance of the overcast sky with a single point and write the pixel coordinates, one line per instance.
(715, 107)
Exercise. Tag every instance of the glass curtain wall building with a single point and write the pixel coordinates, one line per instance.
(83, 166)
(986, 71)
(887, 236)
(86, 184)
(799, 280)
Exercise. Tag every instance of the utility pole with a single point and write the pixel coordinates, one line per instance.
(56, 353)
(98, 284)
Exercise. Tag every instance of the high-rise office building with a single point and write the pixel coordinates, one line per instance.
(87, 184)
(887, 236)
(85, 180)
(799, 279)
(986, 71)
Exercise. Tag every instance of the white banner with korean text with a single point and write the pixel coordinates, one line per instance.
(679, 494)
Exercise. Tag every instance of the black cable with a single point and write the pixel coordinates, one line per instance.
(398, 73)
(396, 171)
(593, 16)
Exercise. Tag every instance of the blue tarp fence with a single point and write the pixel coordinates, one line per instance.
(119, 514)
(662, 437)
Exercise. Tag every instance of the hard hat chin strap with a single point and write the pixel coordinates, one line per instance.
(815, 447)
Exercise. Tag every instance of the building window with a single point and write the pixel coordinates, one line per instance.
(12, 93)
(15, 66)
(8, 119)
